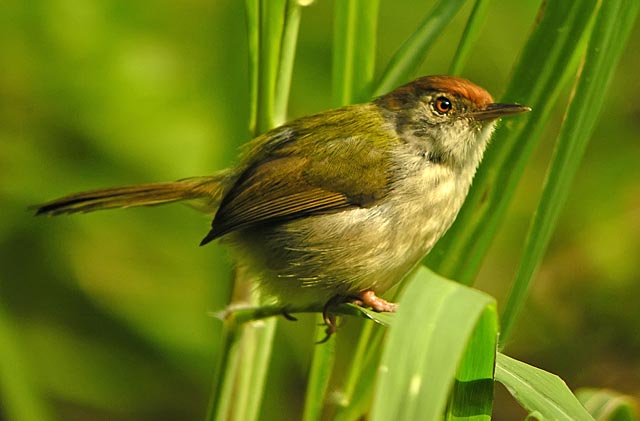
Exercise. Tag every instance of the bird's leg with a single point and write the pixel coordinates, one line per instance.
(330, 318)
(370, 299)
(366, 298)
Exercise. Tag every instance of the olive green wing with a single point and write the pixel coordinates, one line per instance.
(285, 186)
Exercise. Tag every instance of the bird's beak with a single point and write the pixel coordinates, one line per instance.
(494, 111)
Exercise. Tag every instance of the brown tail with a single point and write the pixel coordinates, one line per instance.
(208, 188)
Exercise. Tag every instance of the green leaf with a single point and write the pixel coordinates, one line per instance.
(221, 400)
(354, 400)
(252, 13)
(425, 345)
(407, 59)
(539, 391)
(548, 60)
(384, 319)
(287, 56)
(608, 405)
(354, 50)
(255, 355)
(271, 18)
(612, 27)
(242, 369)
(472, 397)
(321, 368)
(470, 34)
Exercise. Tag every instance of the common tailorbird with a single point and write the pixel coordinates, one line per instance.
(339, 205)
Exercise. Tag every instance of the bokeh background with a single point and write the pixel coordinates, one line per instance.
(108, 316)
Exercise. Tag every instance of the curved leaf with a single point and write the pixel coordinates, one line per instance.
(538, 391)
(425, 345)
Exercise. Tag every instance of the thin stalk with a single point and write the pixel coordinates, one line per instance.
(410, 55)
(358, 390)
(360, 380)
(358, 362)
(263, 345)
(225, 372)
(320, 373)
(353, 71)
(469, 36)
(240, 377)
(272, 16)
(252, 14)
(547, 64)
(611, 31)
(247, 313)
(287, 56)
(354, 50)
(244, 376)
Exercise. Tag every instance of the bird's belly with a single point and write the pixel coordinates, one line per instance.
(311, 259)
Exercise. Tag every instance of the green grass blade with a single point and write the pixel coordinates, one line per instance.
(278, 29)
(354, 48)
(410, 55)
(354, 54)
(241, 371)
(611, 30)
(469, 36)
(257, 354)
(252, 13)
(272, 17)
(424, 347)
(472, 398)
(245, 369)
(353, 400)
(538, 391)
(220, 402)
(608, 405)
(287, 56)
(19, 397)
(272, 27)
(548, 61)
(385, 319)
(321, 368)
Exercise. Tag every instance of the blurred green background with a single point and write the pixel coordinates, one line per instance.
(108, 315)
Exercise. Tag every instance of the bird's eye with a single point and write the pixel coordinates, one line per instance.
(443, 105)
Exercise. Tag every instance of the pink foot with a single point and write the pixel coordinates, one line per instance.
(370, 299)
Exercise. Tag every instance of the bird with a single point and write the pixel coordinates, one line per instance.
(341, 205)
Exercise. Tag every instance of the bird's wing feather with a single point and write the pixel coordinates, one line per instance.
(286, 185)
